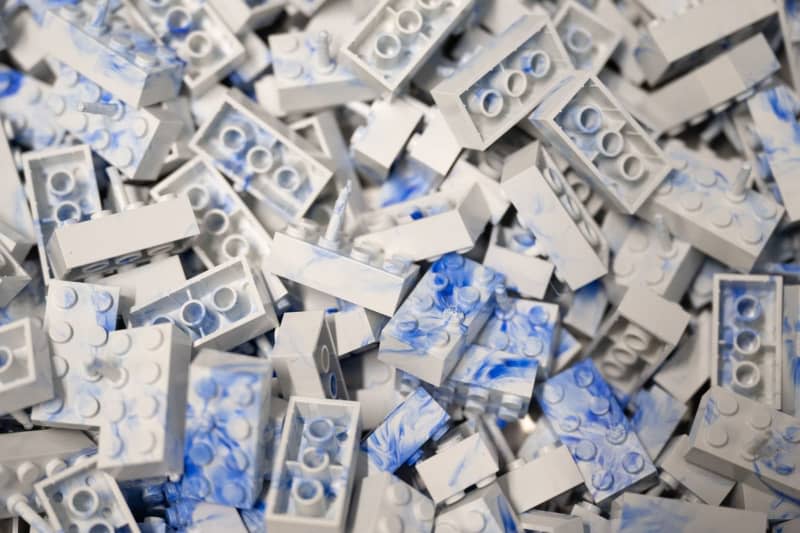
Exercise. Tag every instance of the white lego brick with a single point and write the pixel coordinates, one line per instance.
(555, 473)
(397, 38)
(145, 283)
(747, 336)
(136, 141)
(569, 348)
(94, 246)
(203, 517)
(309, 74)
(219, 309)
(305, 358)
(442, 315)
(384, 501)
(503, 83)
(141, 419)
(651, 258)
(589, 127)
(26, 43)
(702, 290)
(656, 415)
(464, 175)
(370, 382)
(688, 369)
(315, 467)
(711, 488)
(399, 437)
(427, 227)
(362, 273)
(589, 40)
(78, 321)
(587, 419)
(408, 180)
(458, 466)
(744, 440)
(228, 229)
(61, 187)
(548, 522)
(179, 151)
(262, 156)
(24, 102)
(790, 30)
(510, 253)
(243, 15)
(636, 339)
(705, 207)
(485, 509)
(128, 63)
(225, 464)
(774, 111)
(82, 498)
(679, 43)
(637, 512)
(590, 515)
(15, 217)
(499, 16)
(30, 456)
(354, 328)
(376, 145)
(26, 376)
(549, 208)
(258, 58)
(13, 278)
(756, 496)
(435, 147)
(199, 37)
(587, 309)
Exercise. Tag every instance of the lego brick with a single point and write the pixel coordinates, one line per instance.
(636, 339)
(494, 380)
(682, 42)
(262, 157)
(745, 440)
(711, 488)
(398, 439)
(773, 112)
(589, 40)
(362, 274)
(548, 522)
(510, 253)
(13, 278)
(225, 462)
(15, 216)
(24, 102)
(746, 331)
(503, 82)
(458, 466)
(397, 37)
(583, 120)
(788, 17)
(588, 420)
(442, 315)
(26, 376)
(61, 187)
(429, 226)
(549, 208)
(203, 517)
(687, 370)
(243, 15)
(199, 37)
(637, 512)
(315, 467)
(376, 145)
(435, 147)
(30, 456)
(308, 74)
(84, 498)
(650, 257)
(305, 358)
(587, 309)
(656, 416)
(127, 62)
(525, 328)
(228, 229)
(464, 175)
(165, 227)
(218, 309)
(486, 508)
(555, 472)
(384, 501)
(78, 320)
